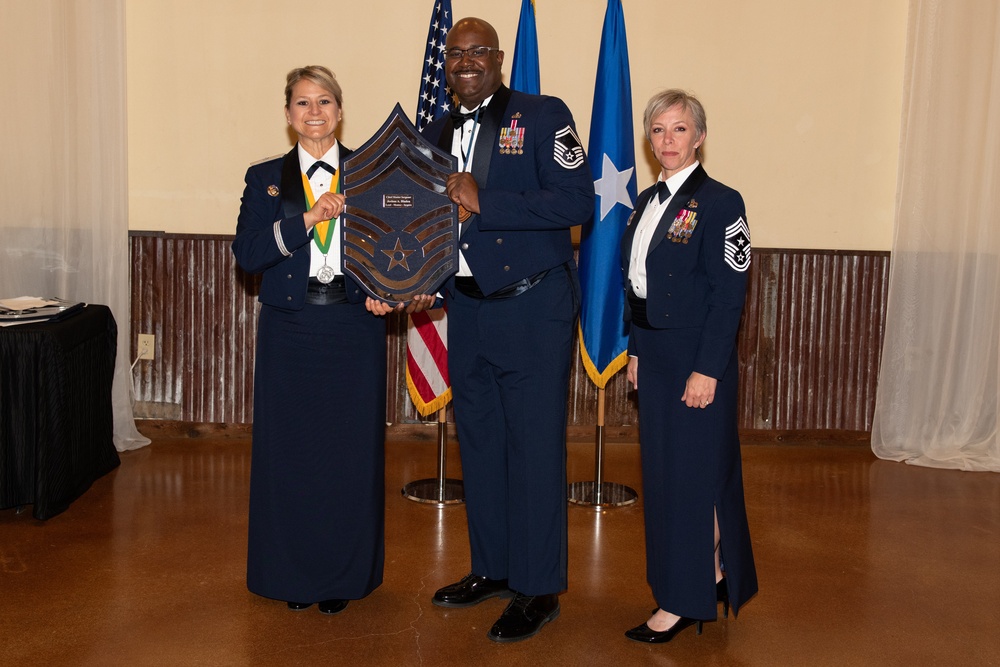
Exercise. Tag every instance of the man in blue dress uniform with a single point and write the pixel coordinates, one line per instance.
(523, 181)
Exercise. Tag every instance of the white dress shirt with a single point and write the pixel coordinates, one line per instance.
(463, 147)
(320, 183)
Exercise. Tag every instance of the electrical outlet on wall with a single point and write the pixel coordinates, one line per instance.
(147, 347)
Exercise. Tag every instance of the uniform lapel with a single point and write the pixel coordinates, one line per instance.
(446, 137)
(486, 137)
(489, 133)
(680, 200)
(293, 196)
(629, 236)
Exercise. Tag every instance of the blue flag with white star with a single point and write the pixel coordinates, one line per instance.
(435, 98)
(603, 339)
(524, 75)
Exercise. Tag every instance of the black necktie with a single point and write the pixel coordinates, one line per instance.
(459, 118)
(662, 191)
(317, 165)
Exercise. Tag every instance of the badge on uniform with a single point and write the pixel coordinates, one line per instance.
(568, 151)
(737, 250)
(683, 226)
(512, 138)
(272, 190)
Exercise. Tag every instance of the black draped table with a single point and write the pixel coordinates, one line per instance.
(56, 420)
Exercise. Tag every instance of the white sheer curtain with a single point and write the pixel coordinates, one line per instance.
(937, 400)
(64, 220)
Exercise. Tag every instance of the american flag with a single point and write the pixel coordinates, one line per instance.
(435, 97)
(427, 332)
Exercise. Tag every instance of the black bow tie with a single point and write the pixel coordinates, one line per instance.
(662, 191)
(459, 118)
(316, 165)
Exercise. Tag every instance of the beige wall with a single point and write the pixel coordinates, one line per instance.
(803, 96)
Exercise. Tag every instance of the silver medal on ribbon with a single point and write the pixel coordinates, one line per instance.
(325, 274)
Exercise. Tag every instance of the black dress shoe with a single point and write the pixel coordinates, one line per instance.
(332, 606)
(299, 606)
(524, 617)
(646, 636)
(722, 595)
(471, 590)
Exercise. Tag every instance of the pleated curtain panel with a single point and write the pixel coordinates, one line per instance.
(937, 399)
(64, 231)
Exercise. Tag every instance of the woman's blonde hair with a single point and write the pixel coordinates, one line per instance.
(319, 75)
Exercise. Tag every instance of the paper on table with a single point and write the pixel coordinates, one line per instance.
(27, 302)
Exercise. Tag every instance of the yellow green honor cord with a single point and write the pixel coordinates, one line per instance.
(323, 231)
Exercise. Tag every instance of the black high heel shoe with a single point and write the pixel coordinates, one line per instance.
(722, 595)
(643, 633)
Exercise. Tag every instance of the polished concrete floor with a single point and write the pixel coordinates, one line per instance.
(861, 562)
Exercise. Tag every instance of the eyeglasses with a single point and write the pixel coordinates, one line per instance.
(475, 52)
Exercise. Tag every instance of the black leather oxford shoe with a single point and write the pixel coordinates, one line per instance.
(471, 590)
(524, 617)
(332, 606)
(299, 606)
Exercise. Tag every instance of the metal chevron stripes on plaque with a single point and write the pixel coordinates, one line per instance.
(399, 233)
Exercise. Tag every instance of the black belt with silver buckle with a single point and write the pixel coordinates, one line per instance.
(325, 294)
(468, 286)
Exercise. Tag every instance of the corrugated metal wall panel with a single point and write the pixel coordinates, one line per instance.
(810, 360)
(188, 292)
(809, 344)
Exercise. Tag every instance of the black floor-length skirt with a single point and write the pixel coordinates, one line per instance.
(691, 467)
(317, 471)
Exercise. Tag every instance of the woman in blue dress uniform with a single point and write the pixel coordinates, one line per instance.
(685, 256)
(316, 481)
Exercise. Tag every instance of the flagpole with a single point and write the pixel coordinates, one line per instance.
(429, 360)
(599, 448)
(603, 338)
(600, 494)
(440, 491)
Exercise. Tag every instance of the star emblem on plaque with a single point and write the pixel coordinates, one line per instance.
(399, 230)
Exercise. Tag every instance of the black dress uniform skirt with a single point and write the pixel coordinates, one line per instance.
(317, 470)
(690, 467)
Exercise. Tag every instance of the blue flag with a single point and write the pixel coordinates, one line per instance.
(524, 75)
(603, 341)
(435, 97)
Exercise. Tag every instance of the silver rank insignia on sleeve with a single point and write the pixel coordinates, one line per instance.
(568, 150)
(737, 251)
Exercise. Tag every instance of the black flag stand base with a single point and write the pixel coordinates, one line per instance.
(441, 491)
(600, 494)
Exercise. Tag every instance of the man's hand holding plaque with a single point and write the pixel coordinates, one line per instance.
(464, 191)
